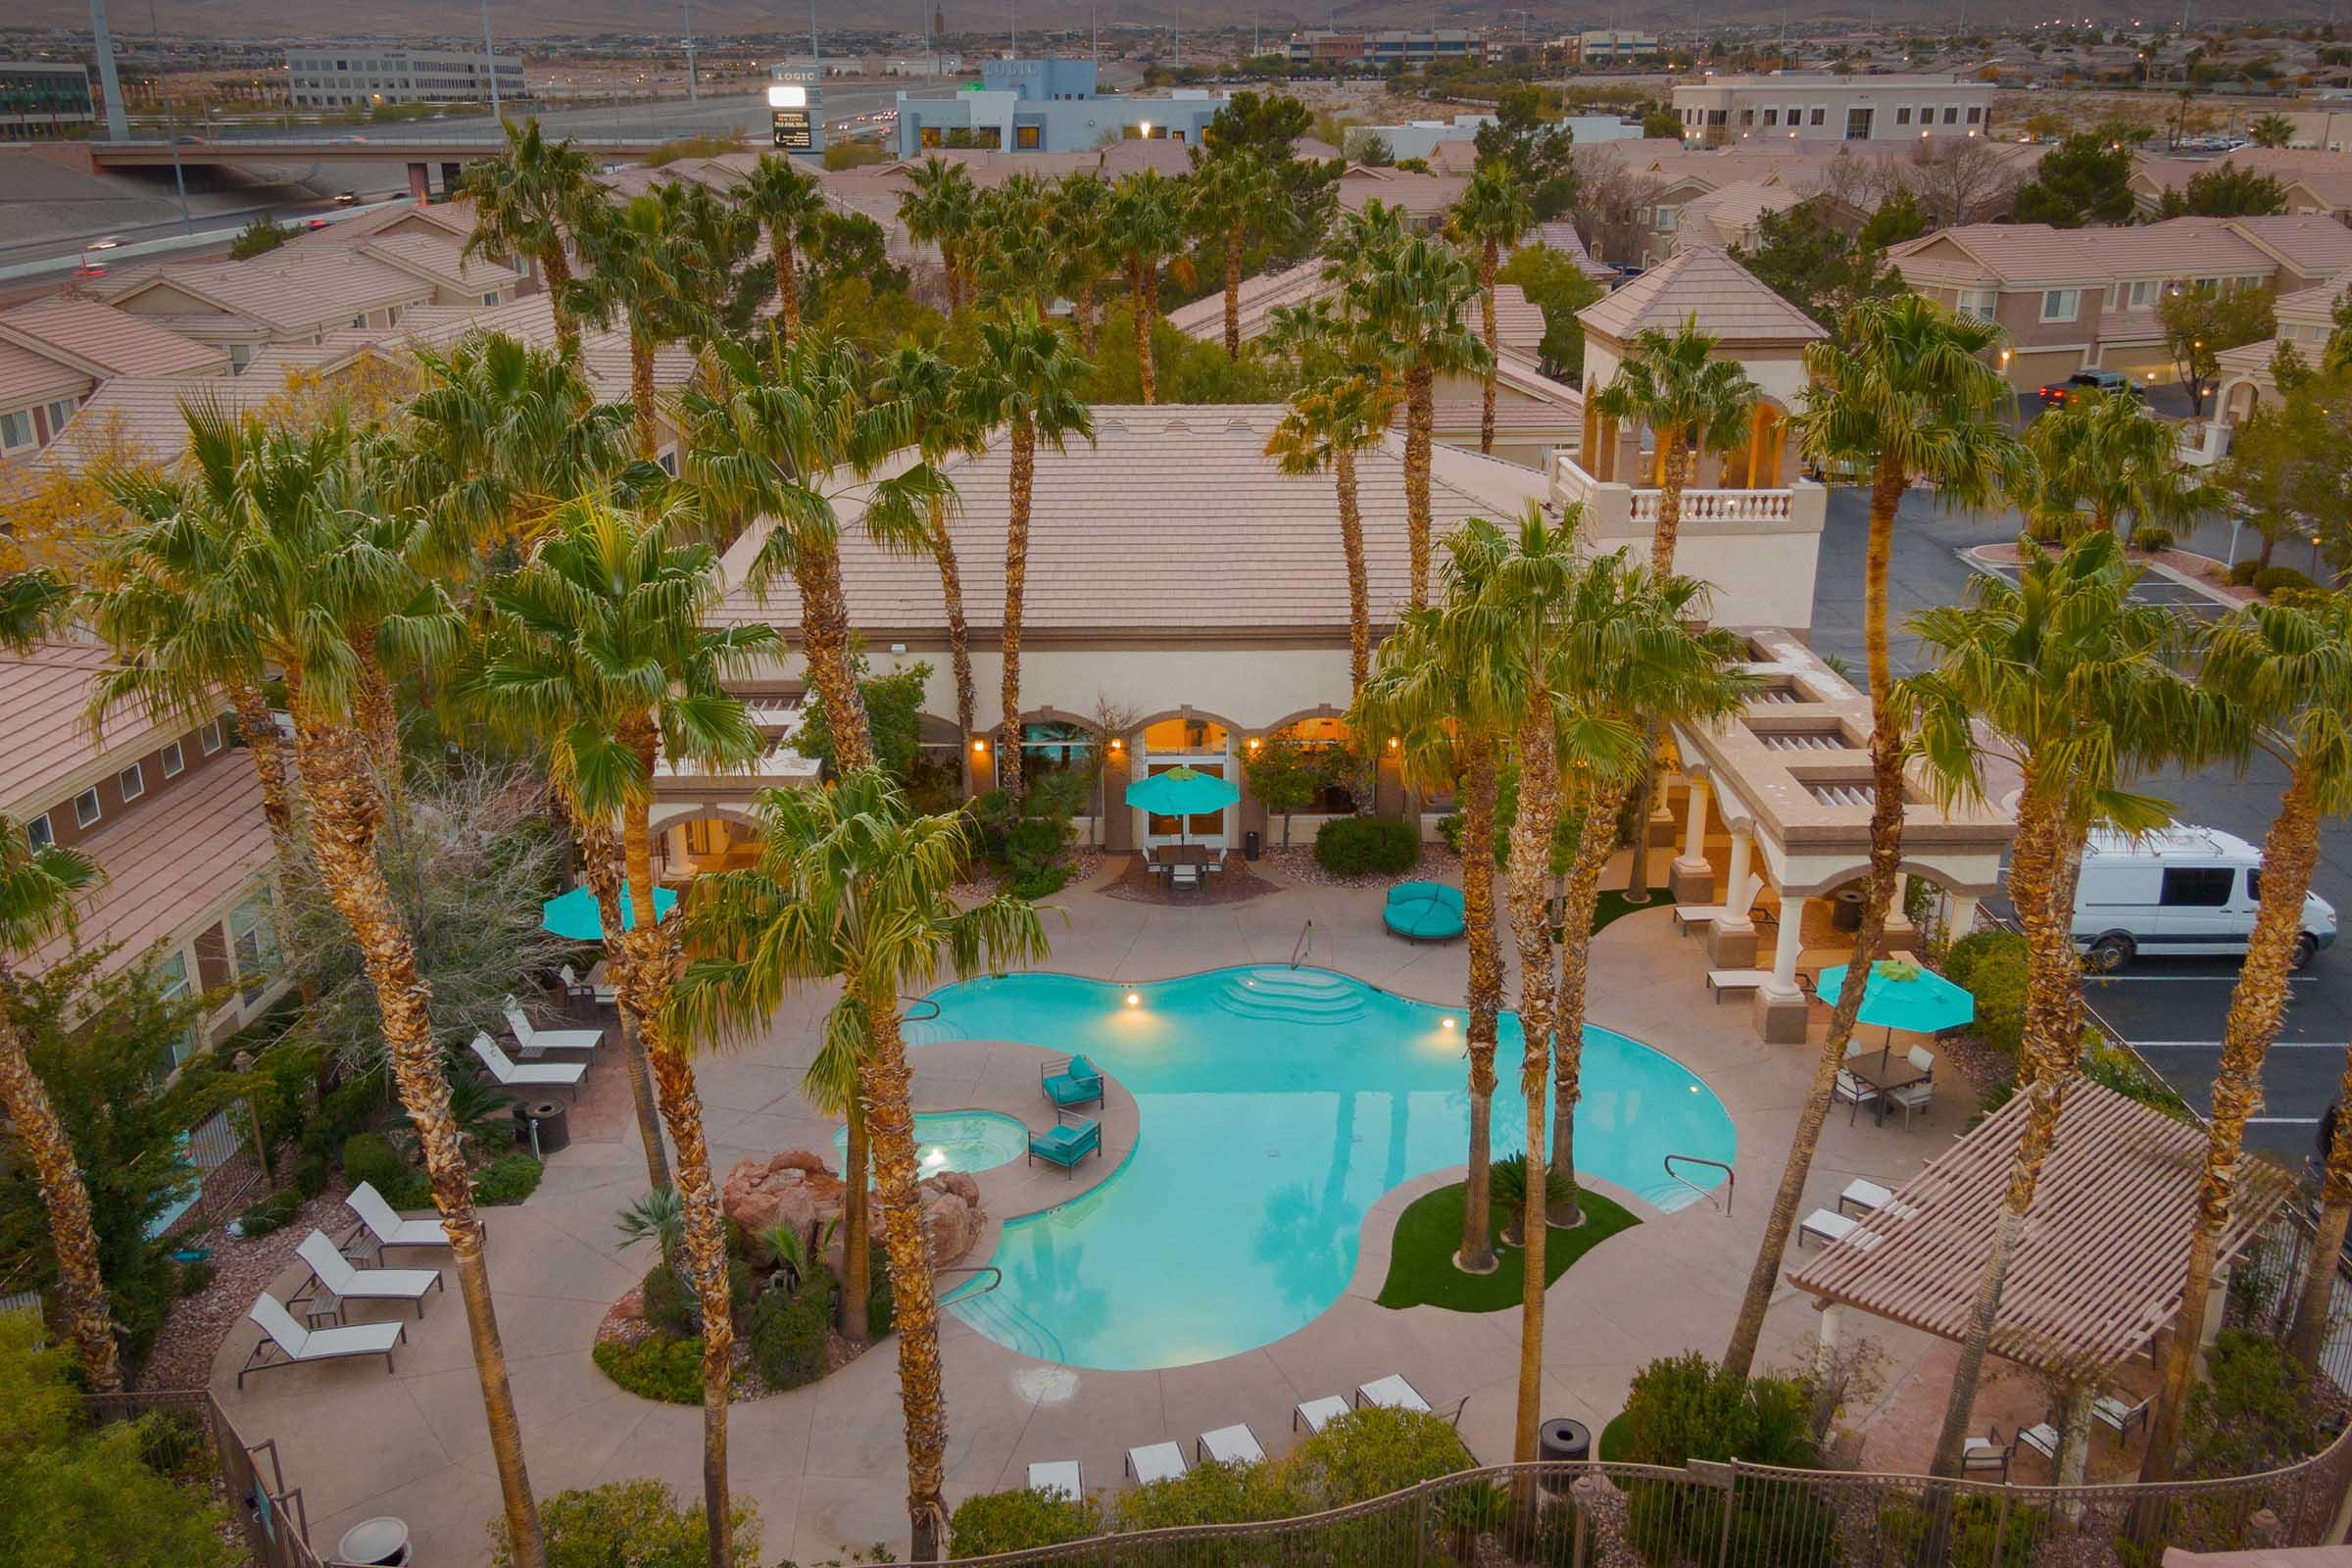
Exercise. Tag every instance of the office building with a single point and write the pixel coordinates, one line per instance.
(1324, 46)
(1800, 106)
(44, 98)
(1047, 106)
(358, 75)
(1606, 47)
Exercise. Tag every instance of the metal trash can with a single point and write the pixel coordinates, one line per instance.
(1251, 845)
(544, 1124)
(1561, 1440)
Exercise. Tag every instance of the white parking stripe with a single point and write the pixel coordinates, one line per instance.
(2186, 979)
(2216, 1045)
(2283, 1121)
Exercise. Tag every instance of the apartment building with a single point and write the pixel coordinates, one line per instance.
(55, 352)
(1400, 49)
(2085, 299)
(2312, 180)
(1808, 106)
(356, 75)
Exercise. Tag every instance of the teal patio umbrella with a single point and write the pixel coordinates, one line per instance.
(575, 915)
(1182, 791)
(1899, 995)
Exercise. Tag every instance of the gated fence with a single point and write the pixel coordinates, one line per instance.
(191, 1439)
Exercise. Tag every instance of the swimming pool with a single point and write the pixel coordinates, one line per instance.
(1276, 1106)
(956, 1140)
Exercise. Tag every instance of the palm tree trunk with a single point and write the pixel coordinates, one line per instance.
(1142, 288)
(1579, 899)
(257, 727)
(1359, 580)
(1233, 292)
(788, 281)
(379, 720)
(1530, 864)
(856, 1227)
(915, 1311)
(1420, 422)
(1479, 783)
(641, 394)
(345, 811)
(946, 258)
(1016, 580)
(2314, 1303)
(2289, 852)
(1885, 855)
(651, 968)
(558, 268)
(1670, 501)
(599, 866)
(1081, 309)
(73, 1233)
(959, 631)
(825, 644)
(1486, 321)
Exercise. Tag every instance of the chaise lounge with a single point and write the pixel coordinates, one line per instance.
(1071, 1083)
(1424, 911)
(297, 1346)
(1067, 1143)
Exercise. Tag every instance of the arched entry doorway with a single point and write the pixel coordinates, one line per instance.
(692, 840)
(1199, 743)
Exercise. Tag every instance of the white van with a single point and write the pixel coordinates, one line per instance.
(2186, 890)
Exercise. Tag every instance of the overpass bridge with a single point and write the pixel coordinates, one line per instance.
(452, 152)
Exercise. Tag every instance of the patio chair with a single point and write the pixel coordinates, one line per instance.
(1851, 1090)
(1184, 876)
(1216, 867)
(1067, 1143)
(1686, 916)
(2110, 1411)
(1317, 1414)
(576, 989)
(1919, 1095)
(1424, 911)
(534, 1075)
(1057, 1478)
(383, 1222)
(296, 1344)
(1233, 1444)
(531, 1038)
(1155, 1461)
(2042, 1439)
(332, 1271)
(1829, 1228)
(1395, 1393)
(1722, 983)
(1870, 1197)
(1987, 1456)
(1071, 1082)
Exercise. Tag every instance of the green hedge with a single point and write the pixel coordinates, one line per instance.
(2270, 579)
(638, 1523)
(664, 1367)
(369, 1157)
(1019, 1520)
(1355, 846)
(788, 1331)
(507, 1180)
(1990, 965)
(267, 1214)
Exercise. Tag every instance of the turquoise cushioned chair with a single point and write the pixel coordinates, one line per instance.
(1072, 1083)
(1424, 911)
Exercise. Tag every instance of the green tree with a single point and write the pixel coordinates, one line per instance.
(638, 274)
(938, 208)
(2199, 323)
(1528, 139)
(2228, 191)
(2104, 461)
(925, 385)
(1491, 215)
(1077, 219)
(787, 202)
(853, 883)
(1662, 123)
(892, 704)
(259, 237)
(1692, 400)
(1328, 423)
(529, 202)
(1559, 288)
(1145, 228)
(2084, 180)
(1895, 220)
(1233, 203)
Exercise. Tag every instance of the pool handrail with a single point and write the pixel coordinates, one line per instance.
(1302, 948)
(1731, 1178)
(907, 1015)
(975, 1269)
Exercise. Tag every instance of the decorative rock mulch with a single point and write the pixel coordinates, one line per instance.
(624, 1324)
(190, 1338)
(1299, 865)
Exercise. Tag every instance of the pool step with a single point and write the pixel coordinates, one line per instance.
(1292, 996)
(995, 1314)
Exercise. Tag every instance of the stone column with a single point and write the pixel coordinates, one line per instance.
(1731, 939)
(1963, 918)
(1691, 879)
(1778, 1010)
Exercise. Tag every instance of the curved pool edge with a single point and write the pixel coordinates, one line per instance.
(1372, 1272)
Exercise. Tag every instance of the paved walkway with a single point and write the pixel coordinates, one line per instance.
(825, 1464)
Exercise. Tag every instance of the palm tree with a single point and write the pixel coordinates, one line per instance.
(937, 208)
(786, 442)
(526, 201)
(787, 203)
(2271, 130)
(599, 649)
(1411, 300)
(2069, 676)
(1027, 379)
(1690, 399)
(1077, 213)
(307, 573)
(2287, 673)
(711, 237)
(1234, 198)
(1902, 395)
(2104, 461)
(1491, 215)
(1327, 423)
(926, 384)
(638, 275)
(1145, 228)
(853, 882)
(1016, 262)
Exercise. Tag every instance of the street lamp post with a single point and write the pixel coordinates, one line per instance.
(179, 178)
(490, 62)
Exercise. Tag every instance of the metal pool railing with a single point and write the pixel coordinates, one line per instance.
(1731, 1178)
(1305, 946)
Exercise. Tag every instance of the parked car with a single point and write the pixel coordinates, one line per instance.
(2074, 386)
(2191, 890)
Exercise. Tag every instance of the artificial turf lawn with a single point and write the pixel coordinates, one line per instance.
(1421, 1271)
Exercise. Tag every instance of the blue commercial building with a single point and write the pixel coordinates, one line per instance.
(1045, 106)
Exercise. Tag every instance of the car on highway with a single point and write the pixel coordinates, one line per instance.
(2186, 891)
(347, 198)
(105, 244)
(2081, 381)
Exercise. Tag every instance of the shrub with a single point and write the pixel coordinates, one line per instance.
(2270, 579)
(414, 1189)
(143, 1288)
(665, 1367)
(669, 1300)
(1018, 1520)
(788, 1334)
(1966, 953)
(267, 1214)
(1686, 1407)
(263, 234)
(1039, 882)
(506, 1181)
(310, 1171)
(2253, 1412)
(369, 1157)
(1991, 967)
(639, 1523)
(2305, 599)
(2150, 537)
(194, 1277)
(2241, 573)
(1213, 1494)
(2122, 1073)
(1354, 846)
(1369, 1453)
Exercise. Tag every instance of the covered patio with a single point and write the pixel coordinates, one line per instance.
(2083, 1294)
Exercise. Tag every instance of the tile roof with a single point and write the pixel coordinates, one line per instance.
(1700, 281)
(442, 259)
(111, 342)
(144, 410)
(1203, 318)
(44, 705)
(1424, 196)
(1518, 320)
(27, 376)
(1561, 235)
(1734, 209)
(2178, 247)
(290, 293)
(1174, 522)
(2314, 246)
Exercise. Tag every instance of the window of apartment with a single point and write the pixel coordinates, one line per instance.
(1747, 116)
(209, 738)
(2061, 304)
(1982, 303)
(669, 462)
(1857, 123)
(2143, 295)
(172, 986)
(1025, 138)
(38, 833)
(58, 414)
(1820, 113)
(15, 429)
(86, 810)
(1902, 113)
(1772, 117)
(1952, 114)
(253, 940)
(176, 760)
(1975, 114)
(132, 782)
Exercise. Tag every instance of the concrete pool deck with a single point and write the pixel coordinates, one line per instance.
(825, 1464)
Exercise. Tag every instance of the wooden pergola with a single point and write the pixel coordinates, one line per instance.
(2099, 1270)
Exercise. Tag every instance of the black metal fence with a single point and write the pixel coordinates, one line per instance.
(188, 1435)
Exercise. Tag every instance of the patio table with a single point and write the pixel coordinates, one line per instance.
(1885, 1073)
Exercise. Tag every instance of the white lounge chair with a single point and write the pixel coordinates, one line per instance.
(1233, 1444)
(1155, 1461)
(1830, 1228)
(380, 1220)
(2043, 1440)
(533, 1075)
(1686, 915)
(531, 1038)
(1736, 982)
(1057, 1478)
(331, 1269)
(590, 988)
(2113, 1412)
(296, 1344)
(1870, 1197)
(1317, 1414)
(1916, 1095)
(1395, 1393)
